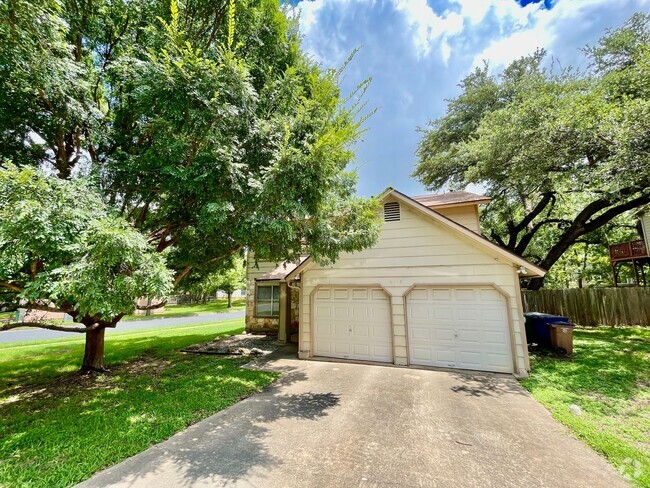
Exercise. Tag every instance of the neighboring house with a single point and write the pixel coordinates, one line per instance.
(431, 292)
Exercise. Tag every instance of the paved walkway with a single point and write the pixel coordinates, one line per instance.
(345, 425)
(19, 335)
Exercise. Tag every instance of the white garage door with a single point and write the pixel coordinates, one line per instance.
(352, 323)
(463, 328)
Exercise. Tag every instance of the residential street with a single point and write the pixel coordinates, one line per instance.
(344, 425)
(21, 335)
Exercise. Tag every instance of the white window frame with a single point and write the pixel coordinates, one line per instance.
(272, 300)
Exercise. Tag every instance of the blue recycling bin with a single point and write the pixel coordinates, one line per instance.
(538, 327)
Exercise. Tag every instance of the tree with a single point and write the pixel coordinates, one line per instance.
(62, 249)
(232, 280)
(561, 154)
(203, 124)
(228, 280)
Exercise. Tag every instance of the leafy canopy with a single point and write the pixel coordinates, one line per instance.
(62, 247)
(562, 154)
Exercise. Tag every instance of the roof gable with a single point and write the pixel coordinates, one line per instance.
(531, 269)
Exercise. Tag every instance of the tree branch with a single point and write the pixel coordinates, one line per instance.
(10, 286)
(151, 307)
(615, 211)
(44, 325)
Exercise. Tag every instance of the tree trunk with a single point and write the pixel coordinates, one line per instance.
(229, 299)
(94, 354)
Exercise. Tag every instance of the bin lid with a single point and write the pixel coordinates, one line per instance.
(561, 324)
(543, 315)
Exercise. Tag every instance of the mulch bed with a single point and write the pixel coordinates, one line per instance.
(238, 345)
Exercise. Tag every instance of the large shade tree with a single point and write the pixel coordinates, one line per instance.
(202, 124)
(562, 154)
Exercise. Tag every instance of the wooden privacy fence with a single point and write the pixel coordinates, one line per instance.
(593, 306)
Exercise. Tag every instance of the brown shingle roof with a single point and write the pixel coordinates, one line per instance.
(451, 198)
(281, 271)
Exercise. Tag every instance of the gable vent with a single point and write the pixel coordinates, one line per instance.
(391, 212)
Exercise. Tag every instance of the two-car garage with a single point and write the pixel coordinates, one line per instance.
(464, 327)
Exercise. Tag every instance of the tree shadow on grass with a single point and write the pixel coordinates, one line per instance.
(51, 370)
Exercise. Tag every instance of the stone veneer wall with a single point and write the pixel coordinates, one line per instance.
(294, 295)
(257, 324)
(269, 324)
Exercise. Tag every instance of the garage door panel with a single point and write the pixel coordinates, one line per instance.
(359, 326)
(464, 327)
(441, 335)
(465, 294)
(341, 312)
(422, 354)
(360, 331)
(470, 360)
(420, 311)
(499, 362)
(361, 349)
(469, 314)
(360, 294)
(323, 312)
(341, 293)
(419, 294)
(438, 294)
(445, 358)
(495, 338)
(443, 313)
(360, 312)
(381, 332)
(469, 338)
(324, 294)
(421, 334)
(336, 330)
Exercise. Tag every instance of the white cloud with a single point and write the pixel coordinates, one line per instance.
(529, 28)
(417, 51)
(426, 26)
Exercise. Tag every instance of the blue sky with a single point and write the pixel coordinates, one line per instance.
(416, 52)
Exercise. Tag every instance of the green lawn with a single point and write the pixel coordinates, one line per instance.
(58, 428)
(215, 306)
(609, 378)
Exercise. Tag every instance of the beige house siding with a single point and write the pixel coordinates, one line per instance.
(253, 323)
(416, 251)
(466, 215)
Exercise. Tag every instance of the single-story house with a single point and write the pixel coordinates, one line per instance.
(431, 292)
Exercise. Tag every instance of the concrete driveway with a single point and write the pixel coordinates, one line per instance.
(331, 424)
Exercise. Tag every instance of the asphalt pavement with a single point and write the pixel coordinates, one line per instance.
(20, 335)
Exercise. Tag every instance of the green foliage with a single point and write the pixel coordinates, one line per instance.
(227, 280)
(561, 154)
(61, 245)
(204, 122)
(87, 424)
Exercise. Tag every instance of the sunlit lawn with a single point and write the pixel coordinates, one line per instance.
(58, 428)
(609, 378)
(215, 306)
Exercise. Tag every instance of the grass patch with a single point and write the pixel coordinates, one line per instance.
(58, 428)
(215, 306)
(609, 378)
